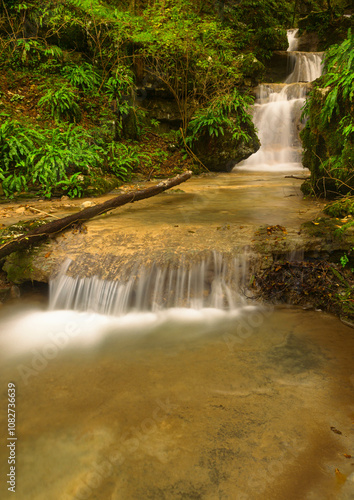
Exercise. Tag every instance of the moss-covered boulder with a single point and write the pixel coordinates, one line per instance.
(221, 153)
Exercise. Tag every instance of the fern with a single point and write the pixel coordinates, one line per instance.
(83, 77)
(61, 104)
(330, 105)
(225, 111)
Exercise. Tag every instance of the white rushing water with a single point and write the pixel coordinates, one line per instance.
(292, 40)
(211, 282)
(307, 66)
(86, 311)
(277, 114)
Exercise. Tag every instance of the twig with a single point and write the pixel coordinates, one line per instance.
(45, 213)
(296, 177)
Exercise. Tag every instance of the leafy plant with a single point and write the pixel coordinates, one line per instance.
(344, 260)
(73, 185)
(341, 208)
(339, 76)
(225, 111)
(46, 159)
(61, 104)
(121, 159)
(328, 137)
(29, 50)
(83, 76)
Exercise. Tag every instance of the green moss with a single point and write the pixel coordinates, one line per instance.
(102, 185)
(321, 227)
(341, 208)
(10, 232)
(19, 266)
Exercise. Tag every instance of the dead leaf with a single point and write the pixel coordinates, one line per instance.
(333, 429)
(341, 478)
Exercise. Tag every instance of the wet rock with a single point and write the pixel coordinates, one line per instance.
(87, 204)
(277, 67)
(308, 42)
(220, 154)
(15, 292)
(20, 210)
(165, 111)
(251, 68)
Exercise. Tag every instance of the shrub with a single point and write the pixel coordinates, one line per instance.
(228, 110)
(55, 160)
(82, 76)
(61, 104)
(328, 137)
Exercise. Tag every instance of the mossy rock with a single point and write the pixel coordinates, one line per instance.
(19, 266)
(322, 227)
(102, 185)
(221, 153)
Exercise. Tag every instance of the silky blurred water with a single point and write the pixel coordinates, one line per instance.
(179, 403)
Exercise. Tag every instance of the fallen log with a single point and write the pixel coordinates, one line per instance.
(41, 233)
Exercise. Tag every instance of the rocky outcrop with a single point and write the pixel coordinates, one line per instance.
(277, 67)
(308, 42)
(320, 30)
(220, 154)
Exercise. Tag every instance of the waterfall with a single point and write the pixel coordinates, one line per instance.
(292, 40)
(277, 113)
(213, 282)
(307, 66)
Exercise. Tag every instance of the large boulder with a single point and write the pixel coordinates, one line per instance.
(221, 153)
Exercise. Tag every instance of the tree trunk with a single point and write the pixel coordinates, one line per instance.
(43, 232)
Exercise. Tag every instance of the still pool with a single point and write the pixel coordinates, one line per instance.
(179, 404)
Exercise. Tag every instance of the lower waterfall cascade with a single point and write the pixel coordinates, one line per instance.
(277, 113)
(213, 282)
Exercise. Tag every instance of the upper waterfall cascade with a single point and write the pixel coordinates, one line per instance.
(277, 113)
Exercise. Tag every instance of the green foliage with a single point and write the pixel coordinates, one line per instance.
(341, 208)
(61, 104)
(121, 159)
(73, 186)
(118, 88)
(263, 24)
(225, 111)
(28, 51)
(344, 260)
(339, 76)
(328, 137)
(83, 76)
(55, 160)
(120, 83)
(193, 57)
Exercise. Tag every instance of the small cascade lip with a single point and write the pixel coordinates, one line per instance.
(304, 52)
(214, 281)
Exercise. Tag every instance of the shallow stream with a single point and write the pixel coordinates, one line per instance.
(210, 404)
(191, 390)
